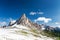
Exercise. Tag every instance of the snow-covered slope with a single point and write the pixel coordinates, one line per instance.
(21, 33)
(19, 26)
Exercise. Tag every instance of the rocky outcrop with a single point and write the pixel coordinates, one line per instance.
(26, 22)
(23, 20)
(12, 23)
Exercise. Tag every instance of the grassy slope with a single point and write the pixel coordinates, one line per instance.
(51, 34)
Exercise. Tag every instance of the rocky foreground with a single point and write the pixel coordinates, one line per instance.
(21, 33)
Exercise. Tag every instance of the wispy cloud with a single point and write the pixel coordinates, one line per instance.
(44, 19)
(11, 19)
(57, 23)
(34, 13)
(3, 23)
(40, 12)
(59, 26)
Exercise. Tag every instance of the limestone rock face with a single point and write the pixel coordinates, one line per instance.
(23, 20)
(26, 22)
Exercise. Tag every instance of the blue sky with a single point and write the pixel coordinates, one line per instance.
(47, 10)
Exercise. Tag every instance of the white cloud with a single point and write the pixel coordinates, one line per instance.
(59, 26)
(11, 19)
(2, 23)
(40, 13)
(5, 21)
(57, 23)
(34, 13)
(46, 20)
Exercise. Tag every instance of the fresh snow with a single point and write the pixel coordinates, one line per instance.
(20, 26)
(13, 21)
(10, 34)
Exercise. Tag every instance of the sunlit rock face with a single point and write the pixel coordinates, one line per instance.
(26, 22)
(23, 20)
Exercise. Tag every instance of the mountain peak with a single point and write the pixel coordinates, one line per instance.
(24, 15)
(22, 20)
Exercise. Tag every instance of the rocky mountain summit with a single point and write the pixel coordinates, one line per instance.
(23, 20)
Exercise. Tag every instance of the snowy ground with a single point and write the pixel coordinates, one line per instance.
(11, 34)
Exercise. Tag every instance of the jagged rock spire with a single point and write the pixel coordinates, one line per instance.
(23, 16)
(22, 20)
